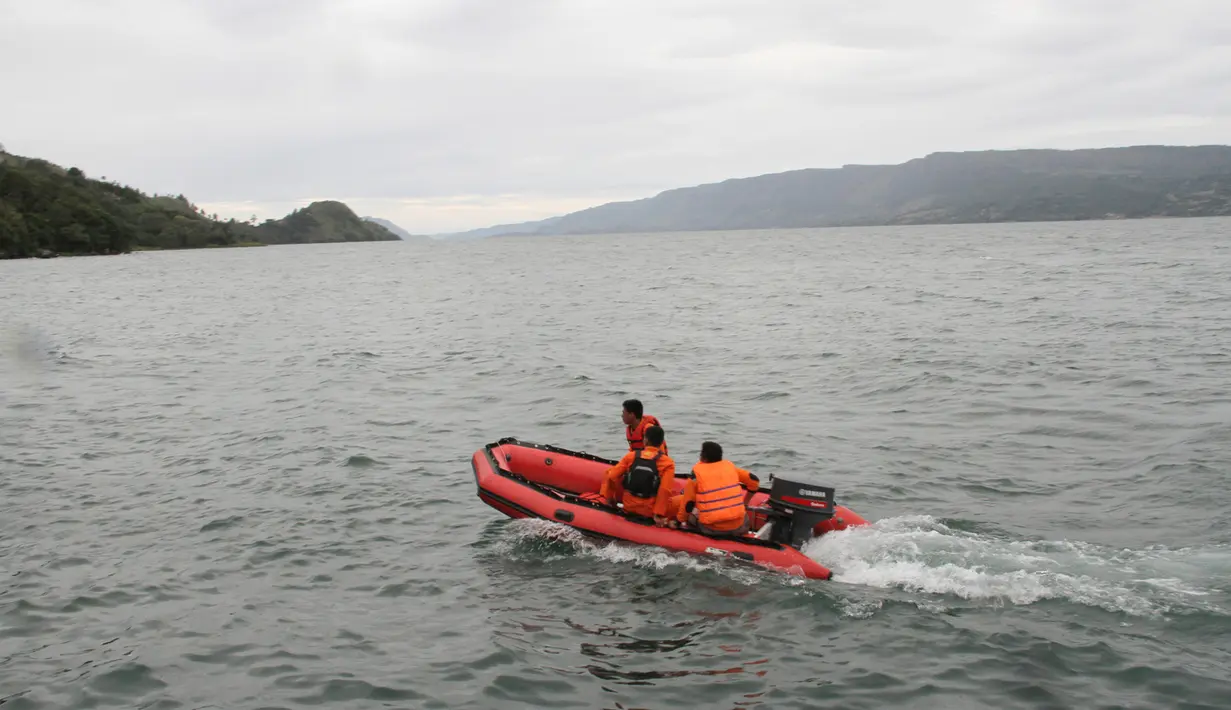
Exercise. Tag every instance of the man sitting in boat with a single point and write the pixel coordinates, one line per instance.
(713, 501)
(635, 424)
(644, 479)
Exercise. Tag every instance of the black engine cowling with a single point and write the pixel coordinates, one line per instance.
(795, 508)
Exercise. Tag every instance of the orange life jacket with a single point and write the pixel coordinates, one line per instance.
(636, 436)
(720, 497)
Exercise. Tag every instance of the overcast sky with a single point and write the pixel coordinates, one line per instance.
(444, 115)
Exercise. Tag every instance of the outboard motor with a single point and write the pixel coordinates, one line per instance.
(796, 508)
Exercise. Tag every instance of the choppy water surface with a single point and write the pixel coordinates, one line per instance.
(240, 478)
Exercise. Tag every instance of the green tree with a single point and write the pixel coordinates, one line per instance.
(14, 237)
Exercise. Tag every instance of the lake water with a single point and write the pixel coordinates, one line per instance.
(240, 478)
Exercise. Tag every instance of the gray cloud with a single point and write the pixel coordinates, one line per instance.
(457, 106)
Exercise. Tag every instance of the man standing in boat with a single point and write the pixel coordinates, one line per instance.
(636, 421)
(644, 479)
(713, 500)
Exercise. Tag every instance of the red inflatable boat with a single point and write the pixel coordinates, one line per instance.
(527, 480)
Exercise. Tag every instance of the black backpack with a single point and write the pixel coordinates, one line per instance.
(642, 479)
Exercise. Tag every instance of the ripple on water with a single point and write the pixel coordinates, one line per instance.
(240, 478)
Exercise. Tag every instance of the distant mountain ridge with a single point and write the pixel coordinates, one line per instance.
(503, 230)
(941, 188)
(395, 229)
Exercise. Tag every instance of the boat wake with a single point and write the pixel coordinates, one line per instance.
(942, 567)
(918, 553)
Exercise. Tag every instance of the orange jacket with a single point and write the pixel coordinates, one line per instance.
(613, 484)
(716, 492)
(636, 435)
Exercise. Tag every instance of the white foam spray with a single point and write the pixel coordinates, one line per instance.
(919, 554)
(922, 555)
(535, 530)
